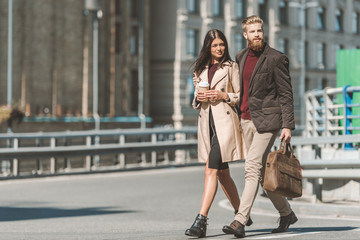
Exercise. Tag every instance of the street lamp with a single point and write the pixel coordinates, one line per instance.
(141, 66)
(92, 6)
(303, 5)
(9, 66)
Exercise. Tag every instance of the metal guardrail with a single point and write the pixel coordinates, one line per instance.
(332, 112)
(92, 144)
(318, 168)
(317, 143)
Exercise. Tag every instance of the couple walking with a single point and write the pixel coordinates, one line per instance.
(258, 85)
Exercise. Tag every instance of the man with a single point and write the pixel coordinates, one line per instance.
(266, 107)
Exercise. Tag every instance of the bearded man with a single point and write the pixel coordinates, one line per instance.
(266, 106)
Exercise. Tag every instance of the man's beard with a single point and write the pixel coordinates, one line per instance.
(256, 46)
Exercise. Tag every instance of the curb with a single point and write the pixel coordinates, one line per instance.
(299, 206)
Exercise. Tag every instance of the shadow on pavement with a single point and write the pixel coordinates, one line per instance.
(17, 214)
(252, 233)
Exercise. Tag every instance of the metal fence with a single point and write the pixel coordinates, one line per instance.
(44, 153)
(332, 112)
(85, 151)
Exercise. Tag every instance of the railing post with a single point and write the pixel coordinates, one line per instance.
(67, 162)
(88, 157)
(96, 158)
(15, 160)
(153, 153)
(5, 164)
(121, 156)
(180, 154)
(53, 159)
(318, 183)
(347, 99)
(39, 168)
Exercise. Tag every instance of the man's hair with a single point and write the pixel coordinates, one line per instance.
(251, 20)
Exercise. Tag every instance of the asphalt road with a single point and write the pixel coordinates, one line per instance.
(150, 204)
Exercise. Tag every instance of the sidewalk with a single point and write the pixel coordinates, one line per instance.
(304, 205)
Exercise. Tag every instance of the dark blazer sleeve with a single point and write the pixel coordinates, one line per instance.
(284, 87)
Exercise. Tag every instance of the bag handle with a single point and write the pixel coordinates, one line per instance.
(284, 146)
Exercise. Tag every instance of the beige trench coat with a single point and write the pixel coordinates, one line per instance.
(226, 120)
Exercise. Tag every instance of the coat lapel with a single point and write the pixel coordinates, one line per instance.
(219, 74)
(204, 75)
(260, 61)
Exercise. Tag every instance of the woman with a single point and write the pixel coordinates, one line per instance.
(217, 115)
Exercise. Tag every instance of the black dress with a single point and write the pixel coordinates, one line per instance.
(215, 161)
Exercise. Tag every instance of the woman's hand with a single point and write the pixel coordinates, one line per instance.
(201, 97)
(215, 95)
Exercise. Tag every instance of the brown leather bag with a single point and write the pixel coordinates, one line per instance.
(283, 172)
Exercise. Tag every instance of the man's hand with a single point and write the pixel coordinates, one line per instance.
(286, 135)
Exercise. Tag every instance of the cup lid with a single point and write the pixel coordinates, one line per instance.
(203, 84)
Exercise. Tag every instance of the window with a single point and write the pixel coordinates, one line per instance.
(324, 83)
(134, 6)
(301, 21)
(263, 11)
(118, 34)
(134, 91)
(134, 40)
(239, 9)
(190, 89)
(338, 20)
(321, 55)
(217, 7)
(118, 28)
(283, 12)
(299, 52)
(355, 23)
(193, 6)
(191, 42)
(238, 41)
(306, 22)
(338, 47)
(307, 84)
(282, 45)
(321, 18)
(307, 55)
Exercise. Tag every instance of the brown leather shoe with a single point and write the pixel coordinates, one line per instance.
(249, 222)
(235, 228)
(285, 222)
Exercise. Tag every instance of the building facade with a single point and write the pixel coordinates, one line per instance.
(52, 57)
(146, 51)
(329, 25)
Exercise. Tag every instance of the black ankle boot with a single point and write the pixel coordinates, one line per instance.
(198, 229)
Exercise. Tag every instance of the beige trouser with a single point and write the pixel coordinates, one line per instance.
(259, 146)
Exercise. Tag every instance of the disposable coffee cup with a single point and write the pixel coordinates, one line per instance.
(203, 87)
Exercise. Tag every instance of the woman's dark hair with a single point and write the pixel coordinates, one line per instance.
(204, 58)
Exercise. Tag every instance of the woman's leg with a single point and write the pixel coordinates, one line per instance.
(229, 187)
(210, 187)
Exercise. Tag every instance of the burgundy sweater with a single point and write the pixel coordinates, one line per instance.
(249, 66)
